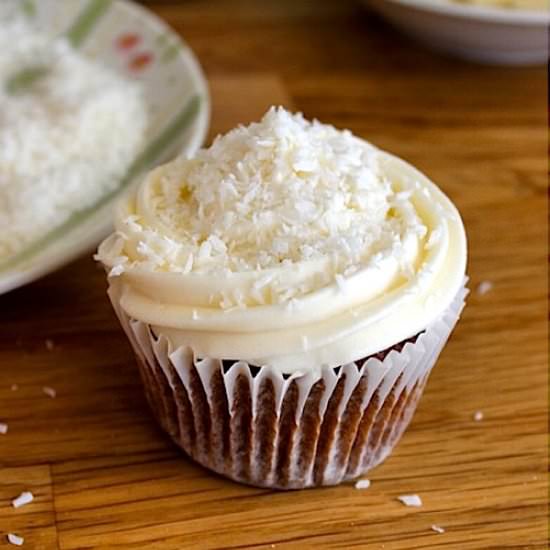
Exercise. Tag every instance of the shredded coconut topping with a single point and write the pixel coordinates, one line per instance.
(275, 193)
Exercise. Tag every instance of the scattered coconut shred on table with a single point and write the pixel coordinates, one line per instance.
(50, 392)
(478, 416)
(67, 140)
(484, 287)
(362, 484)
(15, 539)
(410, 500)
(25, 497)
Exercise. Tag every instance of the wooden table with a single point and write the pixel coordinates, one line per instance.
(102, 473)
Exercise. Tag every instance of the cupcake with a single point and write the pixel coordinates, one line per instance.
(287, 292)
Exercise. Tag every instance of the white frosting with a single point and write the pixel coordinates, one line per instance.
(361, 268)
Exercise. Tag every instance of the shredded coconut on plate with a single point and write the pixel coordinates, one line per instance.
(362, 484)
(67, 140)
(24, 498)
(410, 500)
(14, 539)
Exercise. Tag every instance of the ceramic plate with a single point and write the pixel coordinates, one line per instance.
(504, 36)
(132, 40)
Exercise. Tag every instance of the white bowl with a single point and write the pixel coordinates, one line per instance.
(485, 34)
(174, 89)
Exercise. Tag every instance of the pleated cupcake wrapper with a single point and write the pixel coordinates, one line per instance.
(259, 427)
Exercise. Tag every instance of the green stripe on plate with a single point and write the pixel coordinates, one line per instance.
(170, 52)
(25, 79)
(86, 21)
(151, 154)
(76, 34)
(28, 7)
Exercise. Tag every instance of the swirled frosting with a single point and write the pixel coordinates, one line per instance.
(286, 243)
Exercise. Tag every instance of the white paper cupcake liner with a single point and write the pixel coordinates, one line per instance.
(259, 427)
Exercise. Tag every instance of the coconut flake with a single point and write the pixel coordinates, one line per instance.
(279, 246)
(341, 283)
(116, 270)
(434, 238)
(14, 539)
(402, 196)
(410, 500)
(24, 498)
(188, 263)
(362, 484)
(478, 416)
(437, 529)
(484, 287)
(262, 281)
(50, 392)
(292, 305)
(3, 428)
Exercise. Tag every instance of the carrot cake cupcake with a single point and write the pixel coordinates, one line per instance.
(287, 292)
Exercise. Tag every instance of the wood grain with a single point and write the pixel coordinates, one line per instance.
(105, 477)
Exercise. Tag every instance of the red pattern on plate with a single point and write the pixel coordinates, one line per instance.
(127, 41)
(140, 61)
